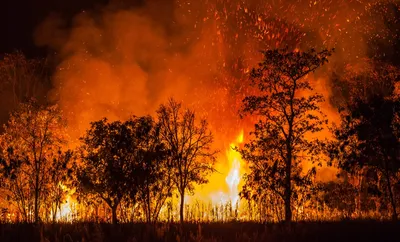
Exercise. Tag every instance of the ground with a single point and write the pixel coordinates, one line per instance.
(233, 231)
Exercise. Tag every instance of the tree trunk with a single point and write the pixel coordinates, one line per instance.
(288, 189)
(97, 213)
(288, 168)
(391, 197)
(114, 219)
(54, 215)
(182, 206)
(36, 213)
(359, 197)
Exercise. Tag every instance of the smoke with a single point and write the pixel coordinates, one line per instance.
(117, 61)
(122, 62)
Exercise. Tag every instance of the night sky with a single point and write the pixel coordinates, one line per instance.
(19, 18)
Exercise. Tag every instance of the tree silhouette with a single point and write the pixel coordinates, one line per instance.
(60, 176)
(31, 143)
(189, 144)
(157, 183)
(288, 111)
(109, 169)
(368, 136)
(22, 79)
(338, 195)
(16, 184)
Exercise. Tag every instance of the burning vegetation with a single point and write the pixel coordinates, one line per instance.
(170, 112)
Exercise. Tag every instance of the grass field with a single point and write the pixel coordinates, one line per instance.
(235, 231)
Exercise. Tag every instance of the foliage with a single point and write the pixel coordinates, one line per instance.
(60, 178)
(31, 146)
(107, 157)
(189, 144)
(118, 159)
(23, 78)
(288, 111)
(367, 137)
(157, 182)
(339, 195)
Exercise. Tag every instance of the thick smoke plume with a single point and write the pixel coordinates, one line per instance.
(120, 60)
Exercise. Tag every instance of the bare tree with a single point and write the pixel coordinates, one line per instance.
(189, 144)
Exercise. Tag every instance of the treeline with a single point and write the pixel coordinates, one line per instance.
(139, 161)
(287, 146)
(139, 164)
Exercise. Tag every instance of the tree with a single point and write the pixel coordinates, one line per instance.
(157, 178)
(288, 111)
(60, 176)
(16, 184)
(367, 137)
(110, 165)
(31, 143)
(22, 79)
(189, 144)
(338, 195)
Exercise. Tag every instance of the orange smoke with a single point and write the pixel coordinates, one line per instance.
(118, 62)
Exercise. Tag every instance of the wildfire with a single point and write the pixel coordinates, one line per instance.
(203, 58)
(65, 211)
(234, 175)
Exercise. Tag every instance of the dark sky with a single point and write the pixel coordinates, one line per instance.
(18, 19)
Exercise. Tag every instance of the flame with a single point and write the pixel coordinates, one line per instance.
(199, 57)
(224, 185)
(233, 180)
(234, 176)
(65, 211)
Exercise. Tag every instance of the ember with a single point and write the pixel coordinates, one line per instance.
(215, 110)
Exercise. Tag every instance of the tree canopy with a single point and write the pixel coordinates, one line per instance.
(32, 144)
(189, 142)
(288, 110)
(367, 138)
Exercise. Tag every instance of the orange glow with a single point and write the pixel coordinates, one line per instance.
(224, 185)
(117, 63)
(234, 176)
(65, 212)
